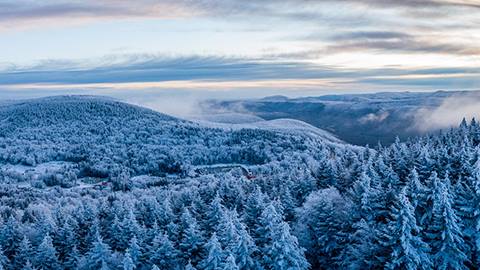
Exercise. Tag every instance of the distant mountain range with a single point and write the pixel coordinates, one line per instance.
(361, 118)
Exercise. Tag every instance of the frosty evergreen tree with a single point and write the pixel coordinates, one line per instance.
(230, 263)
(24, 253)
(445, 233)
(99, 255)
(408, 249)
(162, 252)
(216, 256)
(128, 263)
(280, 247)
(192, 239)
(46, 256)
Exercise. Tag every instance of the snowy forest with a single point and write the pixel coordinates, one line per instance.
(90, 183)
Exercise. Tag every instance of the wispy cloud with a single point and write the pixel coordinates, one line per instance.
(222, 72)
(400, 42)
(299, 34)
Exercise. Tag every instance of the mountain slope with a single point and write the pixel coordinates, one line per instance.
(105, 137)
(288, 126)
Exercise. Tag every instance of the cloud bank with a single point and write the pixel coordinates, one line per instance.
(150, 71)
(449, 114)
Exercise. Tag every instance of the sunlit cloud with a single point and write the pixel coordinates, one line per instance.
(220, 73)
(231, 44)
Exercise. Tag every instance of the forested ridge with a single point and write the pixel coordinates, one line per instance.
(310, 205)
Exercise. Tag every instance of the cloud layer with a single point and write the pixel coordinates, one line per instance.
(221, 70)
(336, 44)
(449, 113)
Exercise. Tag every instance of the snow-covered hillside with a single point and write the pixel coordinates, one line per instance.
(289, 126)
(105, 137)
(92, 183)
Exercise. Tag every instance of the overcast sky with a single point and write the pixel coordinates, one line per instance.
(293, 47)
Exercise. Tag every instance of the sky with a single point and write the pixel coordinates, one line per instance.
(237, 48)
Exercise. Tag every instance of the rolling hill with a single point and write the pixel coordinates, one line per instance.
(363, 118)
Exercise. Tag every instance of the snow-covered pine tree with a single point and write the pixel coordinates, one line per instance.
(10, 237)
(46, 257)
(135, 251)
(192, 238)
(99, 255)
(323, 227)
(445, 233)
(280, 248)
(24, 253)
(284, 252)
(408, 249)
(215, 257)
(230, 263)
(162, 253)
(128, 263)
(245, 249)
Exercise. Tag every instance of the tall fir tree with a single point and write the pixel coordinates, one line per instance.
(10, 236)
(162, 252)
(284, 252)
(215, 257)
(408, 249)
(230, 263)
(445, 233)
(99, 255)
(128, 263)
(24, 253)
(280, 248)
(192, 238)
(46, 255)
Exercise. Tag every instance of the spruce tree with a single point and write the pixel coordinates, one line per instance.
(362, 247)
(416, 191)
(284, 252)
(474, 209)
(10, 237)
(408, 249)
(280, 248)
(215, 212)
(227, 230)
(192, 238)
(65, 239)
(215, 255)
(129, 228)
(253, 208)
(99, 255)
(134, 250)
(445, 233)
(245, 250)
(162, 252)
(72, 259)
(24, 253)
(323, 224)
(230, 263)
(128, 263)
(46, 257)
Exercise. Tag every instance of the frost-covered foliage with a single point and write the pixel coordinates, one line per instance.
(125, 194)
